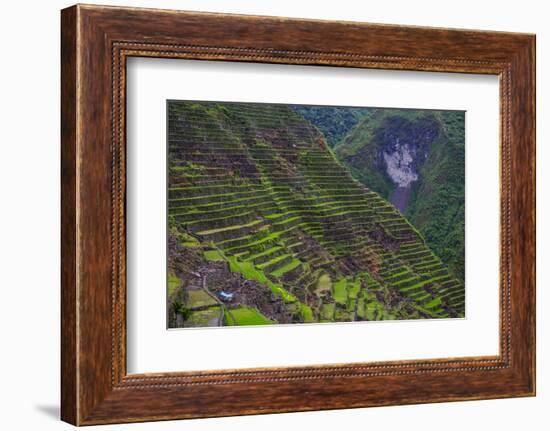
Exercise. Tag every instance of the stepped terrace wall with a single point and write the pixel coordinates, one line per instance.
(267, 225)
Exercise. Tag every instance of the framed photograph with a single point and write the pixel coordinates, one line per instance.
(324, 214)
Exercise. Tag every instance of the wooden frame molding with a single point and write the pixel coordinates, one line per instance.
(95, 43)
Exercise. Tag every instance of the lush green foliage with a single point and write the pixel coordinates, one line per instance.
(334, 121)
(266, 225)
(173, 283)
(436, 202)
(245, 316)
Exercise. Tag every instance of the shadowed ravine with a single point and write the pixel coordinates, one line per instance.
(400, 198)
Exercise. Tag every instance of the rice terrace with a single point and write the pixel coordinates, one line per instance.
(281, 214)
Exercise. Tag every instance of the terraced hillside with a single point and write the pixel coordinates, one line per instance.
(265, 226)
(415, 159)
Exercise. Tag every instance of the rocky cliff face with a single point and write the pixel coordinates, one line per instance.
(280, 232)
(398, 149)
(404, 149)
(415, 159)
(399, 163)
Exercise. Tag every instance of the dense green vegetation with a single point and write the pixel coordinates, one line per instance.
(334, 121)
(436, 201)
(437, 204)
(245, 316)
(266, 226)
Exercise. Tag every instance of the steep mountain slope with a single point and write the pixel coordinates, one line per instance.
(415, 159)
(334, 121)
(265, 226)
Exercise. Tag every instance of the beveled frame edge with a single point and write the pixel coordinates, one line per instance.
(96, 41)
